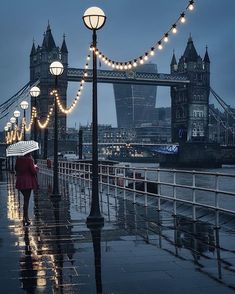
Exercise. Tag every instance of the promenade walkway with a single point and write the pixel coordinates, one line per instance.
(138, 250)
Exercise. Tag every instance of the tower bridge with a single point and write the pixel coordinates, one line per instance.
(189, 82)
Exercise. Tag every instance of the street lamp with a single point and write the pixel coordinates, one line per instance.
(6, 129)
(94, 19)
(56, 69)
(16, 114)
(12, 121)
(35, 92)
(24, 105)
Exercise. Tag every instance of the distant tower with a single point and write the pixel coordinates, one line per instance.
(134, 103)
(40, 60)
(190, 103)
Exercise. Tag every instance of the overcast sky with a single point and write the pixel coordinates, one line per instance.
(132, 27)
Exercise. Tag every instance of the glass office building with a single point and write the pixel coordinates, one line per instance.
(134, 103)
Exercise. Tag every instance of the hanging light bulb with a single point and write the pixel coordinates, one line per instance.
(182, 18)
(146, 56)
(160, 45)
(166, 39)
(174, 29)
(141, 60)
(152, 52)
(191, 5)
(135, 63)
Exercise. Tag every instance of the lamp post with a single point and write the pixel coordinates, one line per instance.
(35, 92)
(24, 105)
(16, 115)
(12, 121)
(94, 19)
(6, 129)
(56, 69)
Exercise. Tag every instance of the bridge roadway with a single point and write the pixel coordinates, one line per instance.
(139, 249)
(128, 77)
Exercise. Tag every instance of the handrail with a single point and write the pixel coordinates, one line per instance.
(120, 177)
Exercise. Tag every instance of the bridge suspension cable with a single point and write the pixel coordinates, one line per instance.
(23, 94)
(223, 104)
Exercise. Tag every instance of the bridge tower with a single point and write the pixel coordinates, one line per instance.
(190, 103)
(40, 60)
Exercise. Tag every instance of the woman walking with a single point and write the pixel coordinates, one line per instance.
(26, 181)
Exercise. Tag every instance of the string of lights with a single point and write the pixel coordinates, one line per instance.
(79, 92)
(47, 120)
(125, 65)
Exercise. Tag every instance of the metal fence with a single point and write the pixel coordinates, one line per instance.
(155, 186)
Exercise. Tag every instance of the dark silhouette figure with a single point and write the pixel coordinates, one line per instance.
(26, 181)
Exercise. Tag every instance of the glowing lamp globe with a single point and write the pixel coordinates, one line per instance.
(24, 105)
(12, 119)
(16, 113)
(56, 68)
(34, 91)
(94, 18)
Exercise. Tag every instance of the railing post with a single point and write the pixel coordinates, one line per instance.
(145, 188)
(217, 224)
(124, 189)
(159, 189)
(108, 182)
(194, 196)
(174, 193)
(216, 191)
(115, 183)
(134, 185)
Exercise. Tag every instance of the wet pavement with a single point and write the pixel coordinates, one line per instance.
(138, 250)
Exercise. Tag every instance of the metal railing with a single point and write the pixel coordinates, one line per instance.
(155, 186)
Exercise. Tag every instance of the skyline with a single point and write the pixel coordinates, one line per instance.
(205, 24)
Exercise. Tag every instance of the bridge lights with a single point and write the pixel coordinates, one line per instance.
(56, 69)
(94, 19)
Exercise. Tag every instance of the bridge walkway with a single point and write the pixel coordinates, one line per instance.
(139, 249)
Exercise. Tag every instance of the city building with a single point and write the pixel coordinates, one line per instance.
(134, 103)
